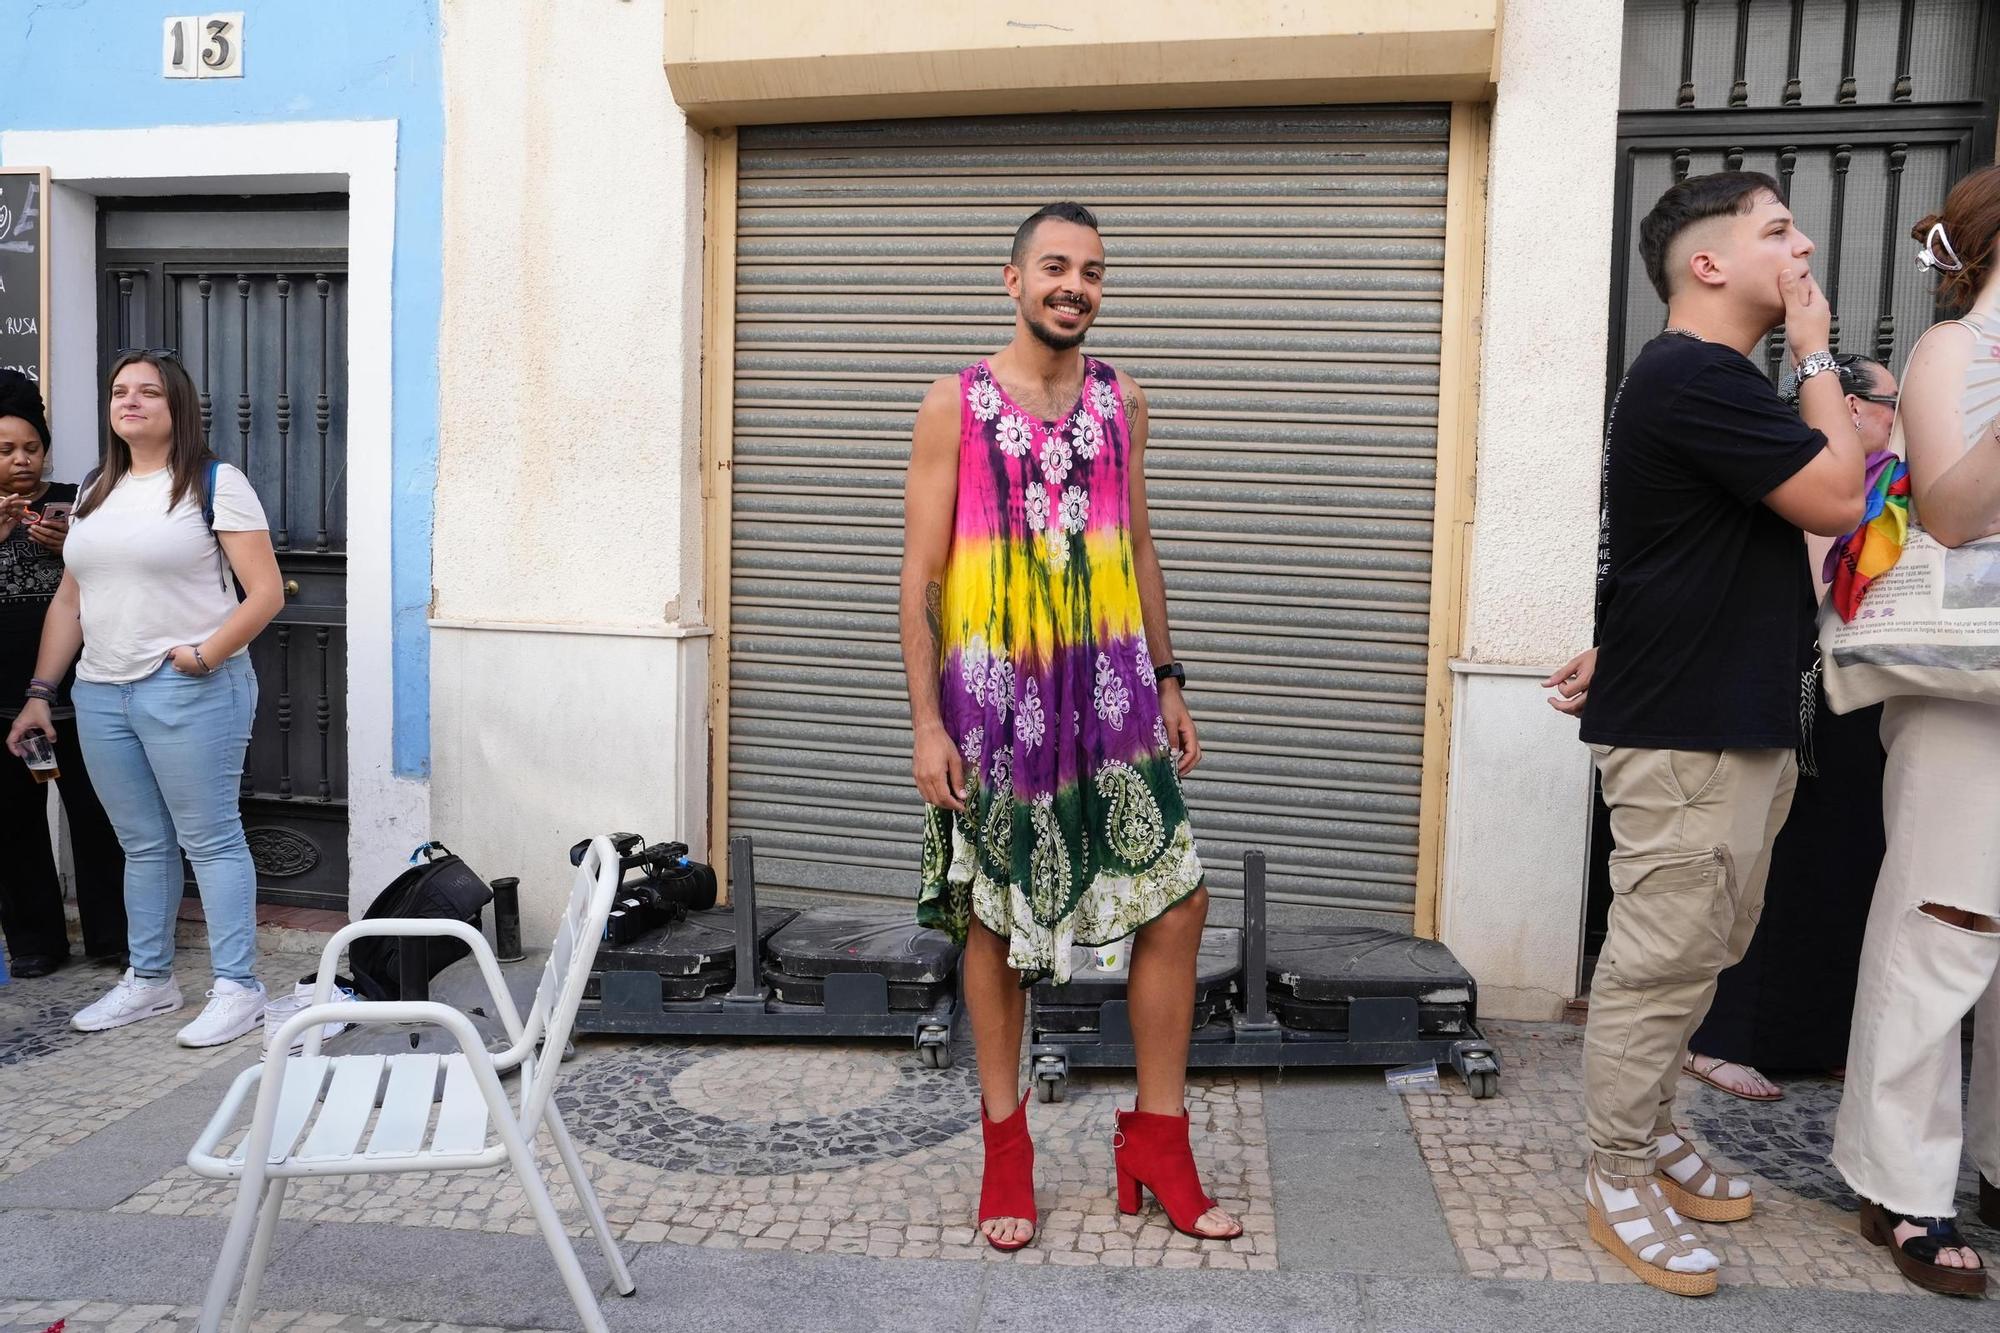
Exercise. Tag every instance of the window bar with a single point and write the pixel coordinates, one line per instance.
(284, 710)
(284, 412)
(1846, 96)
(1774, 344)
(1686, 97)
(206, 287)
(1904, 90)
(125, 338)
(1843, 157)
(1739, 91)
(1885, 322)
(243, 362)
(1794, 90)
(324, 716)
(322, 409)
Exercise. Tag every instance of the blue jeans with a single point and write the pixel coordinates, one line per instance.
(166, 754)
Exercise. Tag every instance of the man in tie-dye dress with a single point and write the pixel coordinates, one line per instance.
(1050, 730)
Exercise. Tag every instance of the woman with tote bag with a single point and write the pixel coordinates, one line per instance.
(1922, 638)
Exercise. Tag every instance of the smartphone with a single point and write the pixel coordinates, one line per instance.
(55, 509)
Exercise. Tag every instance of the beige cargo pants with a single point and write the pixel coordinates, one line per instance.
(1693, 830)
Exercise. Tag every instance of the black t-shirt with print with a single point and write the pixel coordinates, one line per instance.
(1705, 606)
(29, 575)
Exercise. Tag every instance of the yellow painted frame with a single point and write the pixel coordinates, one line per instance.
(718, 445)
(1452, 507)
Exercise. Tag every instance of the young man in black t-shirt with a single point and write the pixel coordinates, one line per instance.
(1690, 701)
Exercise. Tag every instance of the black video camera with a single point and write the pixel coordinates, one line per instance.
(668, 886)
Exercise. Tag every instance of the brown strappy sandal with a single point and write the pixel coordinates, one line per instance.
(1916, 1258)
(1707, 1076)
(1691, 1199)
(1674, 1242)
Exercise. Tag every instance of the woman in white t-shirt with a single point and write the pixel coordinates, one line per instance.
(164, 691)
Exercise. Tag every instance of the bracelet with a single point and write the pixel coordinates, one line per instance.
(34, 681)
(46, 696)
(199, 660)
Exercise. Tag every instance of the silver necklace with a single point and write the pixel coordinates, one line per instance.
(1683, 333)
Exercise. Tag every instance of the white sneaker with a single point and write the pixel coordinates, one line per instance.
(133, 998)
(232, 1010)
(278, 1011)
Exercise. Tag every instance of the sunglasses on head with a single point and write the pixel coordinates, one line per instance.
(1852, 359)
(173, 352)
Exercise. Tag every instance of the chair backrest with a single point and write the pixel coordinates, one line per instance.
(571, 956)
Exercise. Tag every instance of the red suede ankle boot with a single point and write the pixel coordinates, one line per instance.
(1152, 1152)
(1007, 1185)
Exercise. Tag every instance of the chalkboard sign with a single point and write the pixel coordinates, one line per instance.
(24, 272)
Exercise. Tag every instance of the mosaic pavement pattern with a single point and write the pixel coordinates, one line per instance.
(1509, 1172)
(106, 1317)
(53, 1081)
(707, 1144)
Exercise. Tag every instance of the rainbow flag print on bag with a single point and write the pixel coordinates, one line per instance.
(1872, 549)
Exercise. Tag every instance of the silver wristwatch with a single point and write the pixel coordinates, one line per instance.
(1814, 364)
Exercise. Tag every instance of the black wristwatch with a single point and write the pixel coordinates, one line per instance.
(1171, 671)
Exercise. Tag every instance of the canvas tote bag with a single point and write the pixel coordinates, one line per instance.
(1930, 625)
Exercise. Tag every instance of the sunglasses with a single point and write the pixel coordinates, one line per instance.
(1885, 399)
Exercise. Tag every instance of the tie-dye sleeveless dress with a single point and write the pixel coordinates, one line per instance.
(1076, 831)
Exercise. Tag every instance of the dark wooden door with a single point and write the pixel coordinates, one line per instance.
(263, 333)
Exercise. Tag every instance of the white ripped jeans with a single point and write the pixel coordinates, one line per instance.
(1900, 1130)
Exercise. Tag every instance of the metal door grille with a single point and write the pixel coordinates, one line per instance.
(1276, 284)
(1864, 110)
(264, 337)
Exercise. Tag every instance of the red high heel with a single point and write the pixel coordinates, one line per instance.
(1152, 1151)
(1007, 1185)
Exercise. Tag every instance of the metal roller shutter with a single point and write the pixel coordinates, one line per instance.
(1275, 281)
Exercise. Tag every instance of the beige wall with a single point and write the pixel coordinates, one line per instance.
(568, 483)
(810, 60)
(1518, 809)
(567, 694)
(1548, 283)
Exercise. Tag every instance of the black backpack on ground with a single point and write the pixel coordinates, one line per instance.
(440, 887)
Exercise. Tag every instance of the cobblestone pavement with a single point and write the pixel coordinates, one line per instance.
(858, 1149)
(109, 1317)
(730, 1146)
(1509, 1172)
(59, 1086)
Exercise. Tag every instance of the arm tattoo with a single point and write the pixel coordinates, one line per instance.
(933, 615)
(1133, 405)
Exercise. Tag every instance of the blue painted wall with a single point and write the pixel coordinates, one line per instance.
(95, 64)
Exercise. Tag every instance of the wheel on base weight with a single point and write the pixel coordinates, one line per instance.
(1484, 1083)
(935, 1056)
(1050, 1089)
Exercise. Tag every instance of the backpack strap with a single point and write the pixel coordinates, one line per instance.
(222, 570)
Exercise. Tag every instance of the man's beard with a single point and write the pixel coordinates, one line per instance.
(1057, 342)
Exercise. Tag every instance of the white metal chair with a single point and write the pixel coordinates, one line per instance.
(430, 1112)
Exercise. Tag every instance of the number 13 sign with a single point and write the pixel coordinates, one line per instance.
(208, 47)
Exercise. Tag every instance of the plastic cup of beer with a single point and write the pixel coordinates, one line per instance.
(40, 756)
